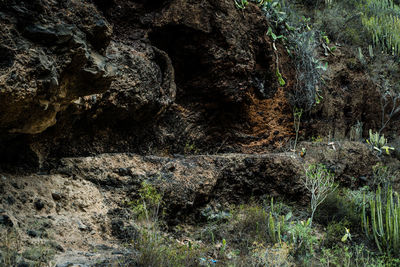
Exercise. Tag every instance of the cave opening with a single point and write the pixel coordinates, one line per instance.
(186, 48)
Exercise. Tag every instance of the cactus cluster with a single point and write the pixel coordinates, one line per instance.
(382, 222)
(381, 19)
(276, 226)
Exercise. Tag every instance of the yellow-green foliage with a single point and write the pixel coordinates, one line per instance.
(379, 142)
(147, 206)
(382, 20)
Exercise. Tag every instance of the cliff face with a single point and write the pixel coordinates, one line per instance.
(79, 77)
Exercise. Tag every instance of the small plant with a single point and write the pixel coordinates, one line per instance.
(223, 247)
(335, 230)
(281, 81)
(190, 148)
(382, 224)
(302, 238)
(317, 139)
(356, 131)
(278, 74)
(320, 182)
(346, 236)
(273, 35)
(241, 4)
(378, 142)
(147, 206)
(389, 97)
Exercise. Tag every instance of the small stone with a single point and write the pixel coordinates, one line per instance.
(56, 196)
(82, 226)
(10, 200)
(39, 204)
(15, 185)
(59, 248)
(32, 233)
(6, 220)
(47, 224)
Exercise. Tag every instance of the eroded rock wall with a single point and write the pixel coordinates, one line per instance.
(79, 78)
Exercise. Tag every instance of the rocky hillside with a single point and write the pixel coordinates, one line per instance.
(197, 98)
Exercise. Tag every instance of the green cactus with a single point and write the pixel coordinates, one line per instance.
(382, 224)
(277, 225)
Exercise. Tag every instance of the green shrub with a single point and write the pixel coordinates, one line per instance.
(342, 23)
(335, 232)
(303, 46)
(358, 255)
(261, 225)
(343, 205)
(301, 42)
(303, 238)
(154, 249)
(336, 256)
(383, 176)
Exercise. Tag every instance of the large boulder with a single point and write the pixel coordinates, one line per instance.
(51, 53)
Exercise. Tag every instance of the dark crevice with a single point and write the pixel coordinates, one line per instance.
(16, 155)
(262, 77)
(6, 58)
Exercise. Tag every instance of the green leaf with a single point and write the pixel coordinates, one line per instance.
(288, 216)
(281, 81)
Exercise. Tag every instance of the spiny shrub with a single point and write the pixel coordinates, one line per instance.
(301, 41)
(308, 69)
(382, 222)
